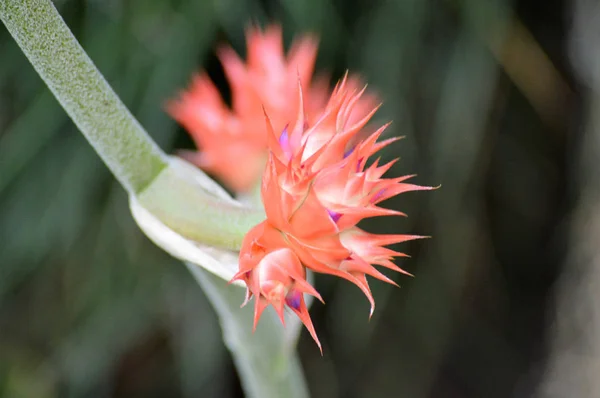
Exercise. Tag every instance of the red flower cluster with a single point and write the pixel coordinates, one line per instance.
(315, 189)
(316, 185)
(232, 141)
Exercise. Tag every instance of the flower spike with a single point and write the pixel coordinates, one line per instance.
(232, 140)
(315, 189)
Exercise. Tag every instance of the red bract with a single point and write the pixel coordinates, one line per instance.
(232, 141)
(315, 189)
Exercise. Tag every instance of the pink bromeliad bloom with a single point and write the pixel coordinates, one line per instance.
(232, 141)
(315, 189)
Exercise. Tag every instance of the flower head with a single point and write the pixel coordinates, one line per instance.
(232, 141)
(274, 275)
(315, 189)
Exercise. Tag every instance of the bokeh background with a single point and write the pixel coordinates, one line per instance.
(494, 98)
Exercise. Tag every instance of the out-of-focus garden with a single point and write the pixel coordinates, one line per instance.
(496, 102)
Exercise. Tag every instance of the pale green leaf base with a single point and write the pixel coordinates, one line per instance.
(268, 366)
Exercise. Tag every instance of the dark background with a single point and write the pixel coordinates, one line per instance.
(490, 105)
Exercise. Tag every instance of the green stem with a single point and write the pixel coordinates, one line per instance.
(122, 143)
(70, 74)
(191, 204)
(267, 362)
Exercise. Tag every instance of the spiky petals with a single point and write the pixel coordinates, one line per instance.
(315, 189)
(274, 275)
(233, 141)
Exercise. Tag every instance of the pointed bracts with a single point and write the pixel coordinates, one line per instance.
(316, 188)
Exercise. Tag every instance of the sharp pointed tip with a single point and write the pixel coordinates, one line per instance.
(317, 342)
(238, 276)
(371, 312)
(280, 314)
(346, 74)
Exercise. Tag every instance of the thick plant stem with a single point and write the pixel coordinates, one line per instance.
(64, 66)
(122, 143)
(267, 362)
(184, 199)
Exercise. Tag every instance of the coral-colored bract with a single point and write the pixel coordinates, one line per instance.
(232, 141)
(315, 189)
(316, 185)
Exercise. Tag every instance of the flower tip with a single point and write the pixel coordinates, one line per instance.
(318, 297)
(316, 340)
(376, 108)
(428, 188)
(345, 77)
(259, 307)
(238, 276)
(372, 310)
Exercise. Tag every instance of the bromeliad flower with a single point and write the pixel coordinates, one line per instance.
(232, 141)
(315, 189)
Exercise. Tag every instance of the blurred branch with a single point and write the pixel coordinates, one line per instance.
(523, 59)
(574, 362)
(459, 128)
(530, 68)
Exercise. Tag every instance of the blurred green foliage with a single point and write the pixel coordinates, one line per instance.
(480, 89)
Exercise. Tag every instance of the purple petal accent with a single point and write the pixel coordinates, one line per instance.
(284, 142)
(293, 299)
(284, 139)
(377, 195)
(349, 152)
(358, 164)
(335, 216)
